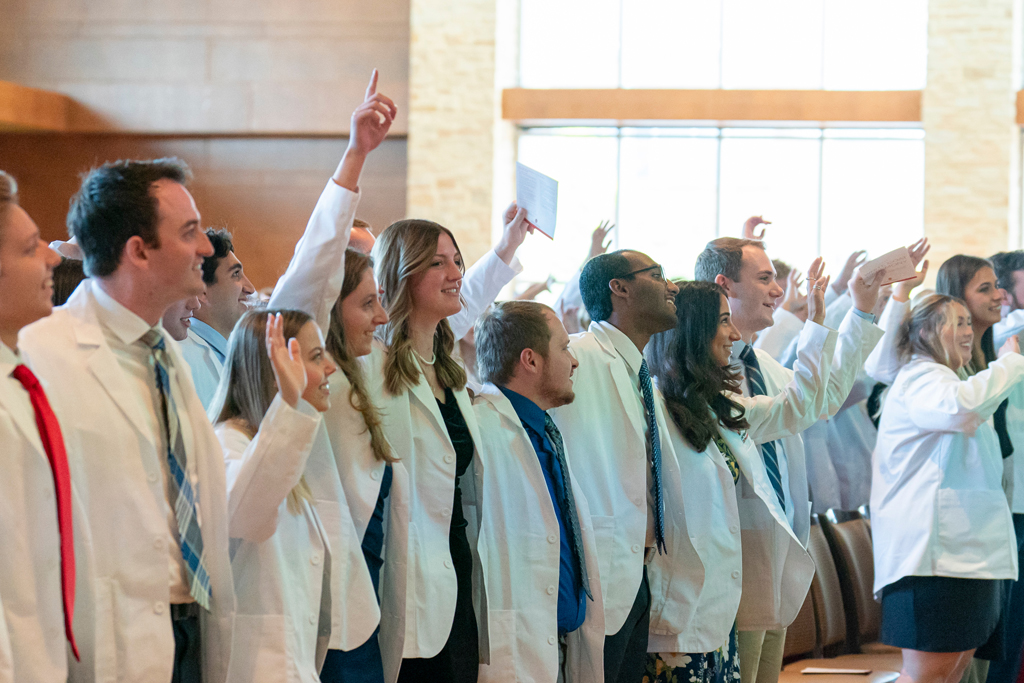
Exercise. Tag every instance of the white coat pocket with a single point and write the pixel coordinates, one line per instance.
(975, 533)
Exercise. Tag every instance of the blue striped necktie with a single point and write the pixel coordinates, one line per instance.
(567, 503)
(755, 380)
(652, 430)
(179, 489)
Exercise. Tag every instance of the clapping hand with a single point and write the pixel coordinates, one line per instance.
(1011, 345)
(286, 359)
(793, 301)
(750, 224)
(816, 284)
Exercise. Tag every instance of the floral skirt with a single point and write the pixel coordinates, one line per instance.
(720, 666)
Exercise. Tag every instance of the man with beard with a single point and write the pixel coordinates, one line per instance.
(545, 621)
(616, 438)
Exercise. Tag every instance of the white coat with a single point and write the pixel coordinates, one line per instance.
(604, 431)
(418, 581)
(937, 503)
(520, 551)
(281, 560)
(696, 586)
(764, 606)
(30, 564)
(312, 283)
(6, 654)
(122, 612)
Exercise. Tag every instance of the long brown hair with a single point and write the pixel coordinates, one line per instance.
(921, 332)
(404, 249)
(247, 385)
(356, 264)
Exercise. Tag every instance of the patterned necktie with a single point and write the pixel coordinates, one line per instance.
(179, 488)
(568, 504)
(755, 381)
(53, 444)
(652, 425)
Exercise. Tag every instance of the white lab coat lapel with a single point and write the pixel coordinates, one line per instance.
(29, 429)
(100, 359)
(424, 395)
(623, 383)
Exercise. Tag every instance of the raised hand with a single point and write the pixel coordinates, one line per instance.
(816, 284)
(1011, 345)
(852, 262)
(286, 359)
(597, 243)
(901, 290)
(372, 119)
(571, 320)
(751, 224)
(793, 301)
(371, 122)
(865, 292)
(918, 250)
(531, 292)
(516, 229)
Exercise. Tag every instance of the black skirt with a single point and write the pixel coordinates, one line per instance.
(940, 613)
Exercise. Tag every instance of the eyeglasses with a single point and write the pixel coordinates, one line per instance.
(659, 275)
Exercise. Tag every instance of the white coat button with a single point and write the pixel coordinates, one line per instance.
(551, 640)
(158, 543)
(447, 564)
(447, 512)
(449, 459)
(152, 476)
(158, 608)
(375, 475)
(734, 529)
(736, 574)
(552, 538)
(551, 590)
(638, 501)
(312, 618)
(315, 559)
(636, 547)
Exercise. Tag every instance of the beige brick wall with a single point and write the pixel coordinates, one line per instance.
(209, 66)
(452, 114)
(971, 138)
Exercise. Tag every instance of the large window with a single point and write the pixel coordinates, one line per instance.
(744, 44)
(670, 190)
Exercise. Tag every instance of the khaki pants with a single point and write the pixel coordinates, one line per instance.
(760, 655)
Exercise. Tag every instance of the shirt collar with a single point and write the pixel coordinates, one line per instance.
(529, 412)
(210, 336)
(737, 348)
(624, 346)
(124, 324)
(9, 359)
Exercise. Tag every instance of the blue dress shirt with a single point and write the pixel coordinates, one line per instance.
(572, 603)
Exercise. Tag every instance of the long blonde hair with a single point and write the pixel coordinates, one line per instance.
(404, 249)
(356, 264)
(247, 385)
(921, 332)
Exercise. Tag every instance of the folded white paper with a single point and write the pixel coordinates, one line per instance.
(897, 264)
(538, 194)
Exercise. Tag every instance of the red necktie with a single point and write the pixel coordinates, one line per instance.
(53, 444)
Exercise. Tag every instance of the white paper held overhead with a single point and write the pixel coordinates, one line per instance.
(897, 264)
(538, 194)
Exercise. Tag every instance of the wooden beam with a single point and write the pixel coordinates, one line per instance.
(31, 109)
(1020, 107)
(520, 104)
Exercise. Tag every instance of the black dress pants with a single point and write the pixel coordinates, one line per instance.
(625, 653)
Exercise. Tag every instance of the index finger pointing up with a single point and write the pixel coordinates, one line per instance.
(371, 89)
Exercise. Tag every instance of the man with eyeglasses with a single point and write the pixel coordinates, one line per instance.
(616, 438)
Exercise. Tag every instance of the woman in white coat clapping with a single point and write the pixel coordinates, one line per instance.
(267, 419)
(716, 470)
(942, 528)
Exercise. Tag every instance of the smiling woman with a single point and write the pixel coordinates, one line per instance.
(26, 267)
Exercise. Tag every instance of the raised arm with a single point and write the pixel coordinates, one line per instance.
(944, 402)
(316, 272)
(486, 278)
(261, 472)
